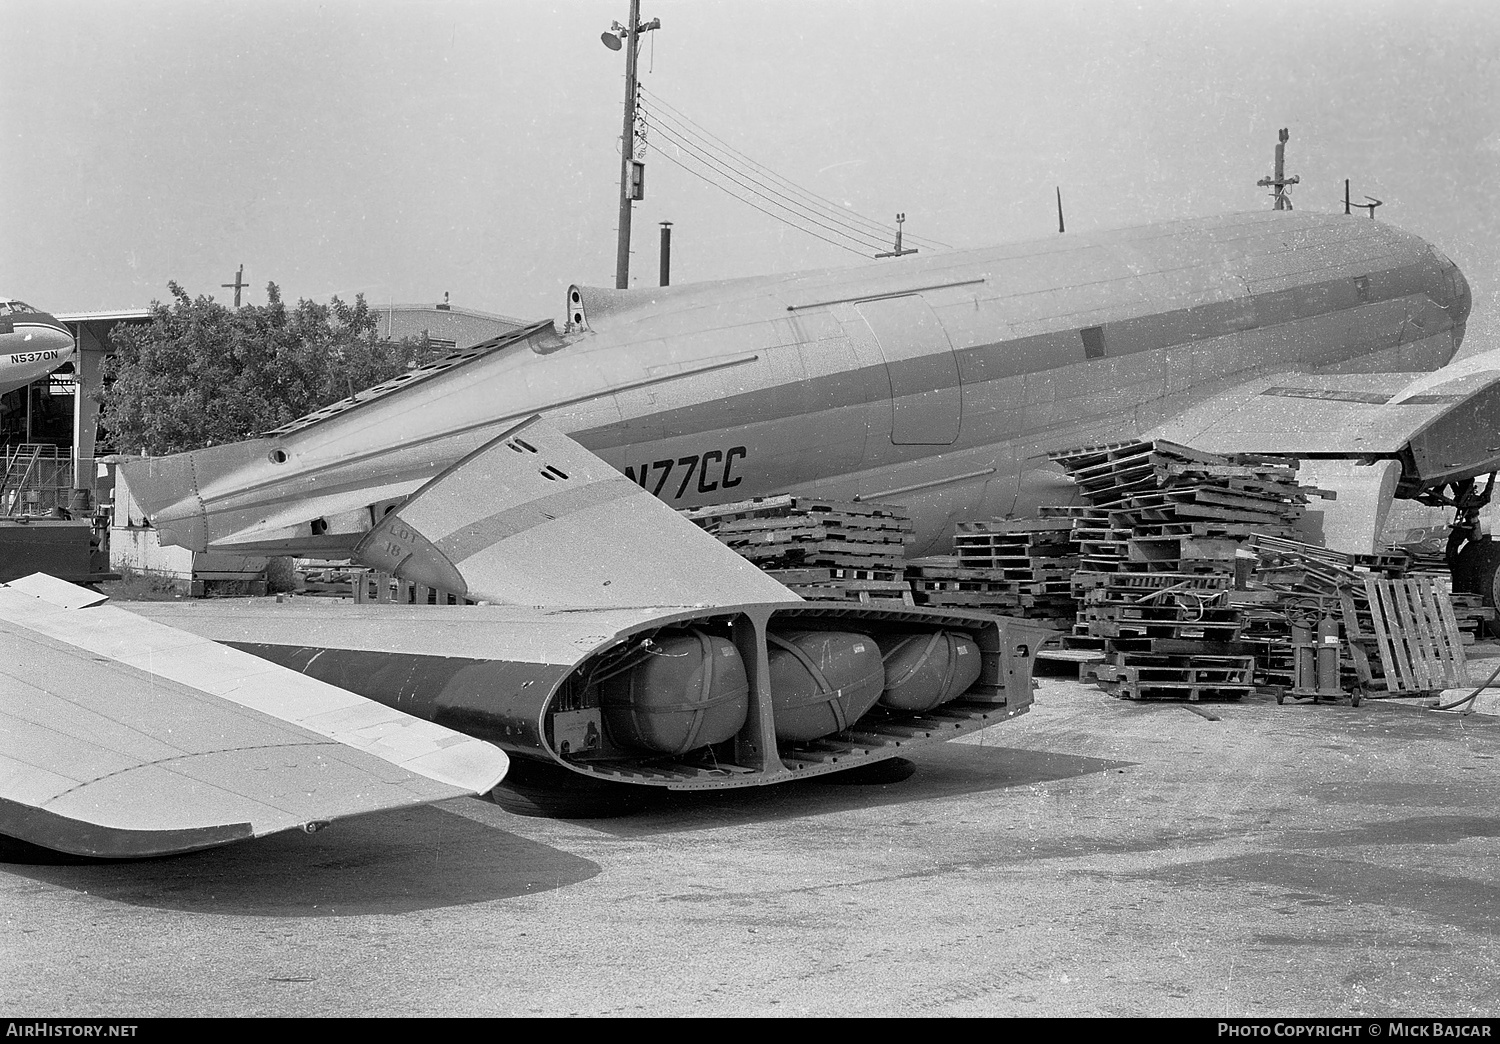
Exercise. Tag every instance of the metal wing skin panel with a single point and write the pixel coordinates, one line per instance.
(123, 737)
(1301, 415)
(533, 518)
(1443, 425)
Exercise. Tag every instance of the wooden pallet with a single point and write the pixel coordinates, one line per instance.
(1171, 691)
(825, 574)
(1412, 632)
(1140, 676)
(865, 592)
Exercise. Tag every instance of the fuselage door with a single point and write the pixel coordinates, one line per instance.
(926, 400)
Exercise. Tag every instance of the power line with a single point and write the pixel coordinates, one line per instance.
(673, 160)
(769, 194)
(832, 213)
(842, 213)
(864, 239)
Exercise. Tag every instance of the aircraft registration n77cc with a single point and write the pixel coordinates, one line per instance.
(535, 474)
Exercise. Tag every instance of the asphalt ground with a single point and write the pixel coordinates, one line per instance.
(1094, 857)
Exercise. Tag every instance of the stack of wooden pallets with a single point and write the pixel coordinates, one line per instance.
(821, 549)
(1158, 558)
(1291, 564)
(1014, 568)
(1299, 583)
(1187, 511)
(1166, 636)
(1399, 634)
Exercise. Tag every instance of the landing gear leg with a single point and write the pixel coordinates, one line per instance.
(1473, 559)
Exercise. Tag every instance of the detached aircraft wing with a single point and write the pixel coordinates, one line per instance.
(122, 737)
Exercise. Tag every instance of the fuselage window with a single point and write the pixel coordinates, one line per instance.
(1093, 341)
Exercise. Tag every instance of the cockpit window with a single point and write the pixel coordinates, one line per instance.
(15, 308)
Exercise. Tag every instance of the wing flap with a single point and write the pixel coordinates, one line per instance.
(125, 737)
(533, 518)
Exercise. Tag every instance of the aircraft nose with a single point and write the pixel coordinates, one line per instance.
(1463, 297)
(53, 338)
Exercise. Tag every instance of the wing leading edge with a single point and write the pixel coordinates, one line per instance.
(123, 737)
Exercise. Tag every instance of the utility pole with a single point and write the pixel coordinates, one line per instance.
(632, 171)
(238, 285)
(898, 252)
(1278, 180)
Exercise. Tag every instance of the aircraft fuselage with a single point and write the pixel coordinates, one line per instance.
(936, 382)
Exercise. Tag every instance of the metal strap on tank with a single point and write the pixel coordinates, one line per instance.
(817, 676)
(699, 708)
(885, 658)
(707, 674)
(949, 670)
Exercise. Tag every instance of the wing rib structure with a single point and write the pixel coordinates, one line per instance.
(122, 737)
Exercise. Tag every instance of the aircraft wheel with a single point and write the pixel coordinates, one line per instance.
(550, 793)
(1476, 571)
(891, 770)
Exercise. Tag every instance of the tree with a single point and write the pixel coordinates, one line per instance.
(200, 373)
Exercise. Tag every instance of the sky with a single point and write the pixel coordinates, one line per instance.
(404, 150)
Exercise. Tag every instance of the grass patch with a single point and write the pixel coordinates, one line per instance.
(135, 586)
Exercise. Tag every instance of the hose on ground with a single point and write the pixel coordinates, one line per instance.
(1473, 695)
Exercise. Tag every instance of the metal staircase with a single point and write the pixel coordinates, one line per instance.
(35, 477)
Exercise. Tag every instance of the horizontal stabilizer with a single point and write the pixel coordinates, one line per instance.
(123, 737)
(533, 518)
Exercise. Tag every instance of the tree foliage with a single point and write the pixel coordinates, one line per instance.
(200, 373)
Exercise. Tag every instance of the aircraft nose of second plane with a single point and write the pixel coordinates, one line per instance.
(49, 335)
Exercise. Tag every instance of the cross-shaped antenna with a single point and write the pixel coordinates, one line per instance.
(238, 285)
(900, 220)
